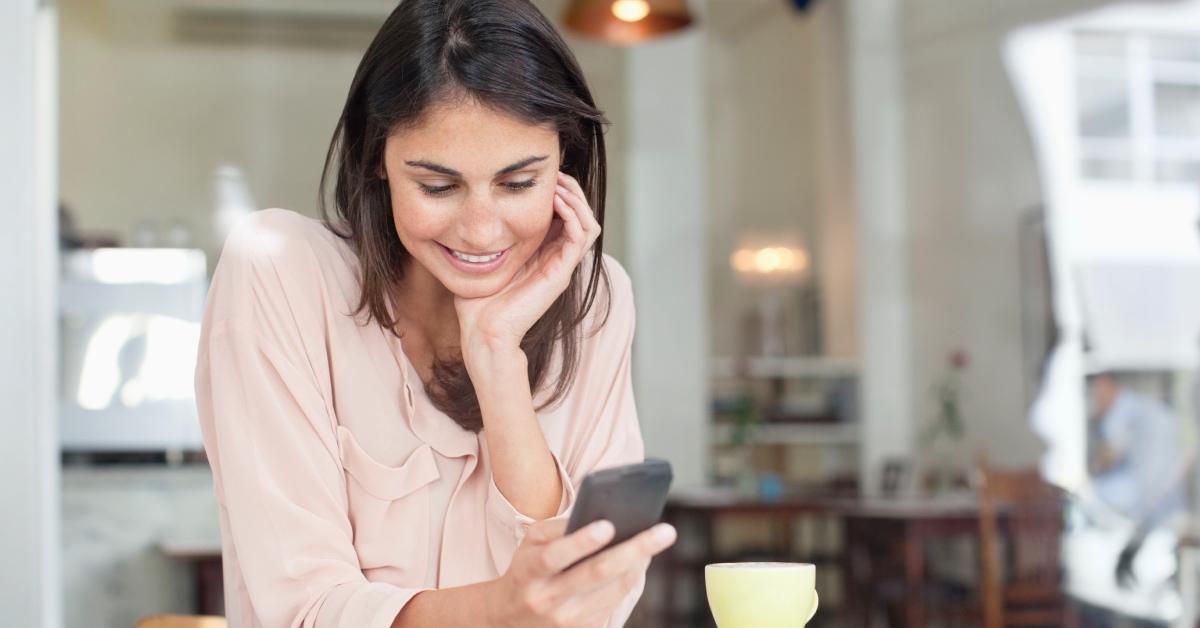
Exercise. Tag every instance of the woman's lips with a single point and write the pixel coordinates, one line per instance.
(474, 268)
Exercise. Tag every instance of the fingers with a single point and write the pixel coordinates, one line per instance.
(553, 234)
(562, 553)
(567, 181)
(579, 225)
(573, 186)
(577, 199)
(616, 561)
(570, 217)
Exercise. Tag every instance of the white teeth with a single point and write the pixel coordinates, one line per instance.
(475, 259)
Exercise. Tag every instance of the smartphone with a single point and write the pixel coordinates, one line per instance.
(632, 497)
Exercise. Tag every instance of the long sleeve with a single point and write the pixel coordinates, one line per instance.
(282, 491)
(617, 438)
(602, 423)
(272, 444)
(611, 435)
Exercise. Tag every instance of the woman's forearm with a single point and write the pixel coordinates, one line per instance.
(522, 465)
(447, 608)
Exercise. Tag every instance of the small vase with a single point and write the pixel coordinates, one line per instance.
(746, 481)
(944, 470)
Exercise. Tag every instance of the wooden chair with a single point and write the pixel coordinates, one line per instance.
(182, 621)
(1026, 589)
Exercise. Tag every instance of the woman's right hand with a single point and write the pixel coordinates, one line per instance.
(539, 591)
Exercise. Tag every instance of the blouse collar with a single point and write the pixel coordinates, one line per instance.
(429, 424)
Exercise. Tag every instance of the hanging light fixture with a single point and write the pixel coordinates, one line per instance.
(627, 22)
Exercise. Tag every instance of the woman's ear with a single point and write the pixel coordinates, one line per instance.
(381, 169)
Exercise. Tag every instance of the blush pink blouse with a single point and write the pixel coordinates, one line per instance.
(343, 492)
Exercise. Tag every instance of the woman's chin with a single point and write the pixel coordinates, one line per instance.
(475, 288)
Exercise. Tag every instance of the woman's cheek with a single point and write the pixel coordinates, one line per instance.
(530, 220)
(418, 221)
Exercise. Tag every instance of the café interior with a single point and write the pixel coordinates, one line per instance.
(916, 288)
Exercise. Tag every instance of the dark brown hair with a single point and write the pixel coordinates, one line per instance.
(503, 54)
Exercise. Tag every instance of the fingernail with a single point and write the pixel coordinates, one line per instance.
(601, 530)
(664, 532)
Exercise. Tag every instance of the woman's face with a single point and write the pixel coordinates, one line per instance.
(472, 194)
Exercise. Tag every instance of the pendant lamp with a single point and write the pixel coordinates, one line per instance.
(627, 22)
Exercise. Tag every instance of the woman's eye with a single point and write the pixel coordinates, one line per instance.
(517, 186)
(442, 190)
(437, 190)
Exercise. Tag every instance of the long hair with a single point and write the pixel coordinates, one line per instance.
(502, 54)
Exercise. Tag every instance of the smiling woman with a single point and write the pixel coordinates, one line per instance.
(472, 200)
(437, 89)
(472, 216)
(399, 402)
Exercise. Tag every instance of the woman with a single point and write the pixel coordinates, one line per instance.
(398, 403)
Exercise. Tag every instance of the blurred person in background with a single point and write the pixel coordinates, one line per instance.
(1133, 452)
(1141, 458)
(398, 402)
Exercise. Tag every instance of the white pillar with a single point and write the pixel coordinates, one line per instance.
(885, 302)
(666, 219)
(29, 478)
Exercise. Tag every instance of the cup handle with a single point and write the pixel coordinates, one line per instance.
(816, 603)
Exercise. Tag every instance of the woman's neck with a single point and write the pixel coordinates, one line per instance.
(424, 306)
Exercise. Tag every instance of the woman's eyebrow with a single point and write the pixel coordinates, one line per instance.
(451, 172)
(520, 164)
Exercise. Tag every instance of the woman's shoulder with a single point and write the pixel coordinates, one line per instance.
(282, 255)
(286, 242)
(617, 273)
(619, 286)
(273, 235)
(613, 309)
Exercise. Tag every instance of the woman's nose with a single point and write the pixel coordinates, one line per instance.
(480, 226)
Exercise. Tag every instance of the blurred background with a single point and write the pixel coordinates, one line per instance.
(918, 288)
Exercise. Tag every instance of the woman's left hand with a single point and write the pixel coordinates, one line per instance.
(498, 322)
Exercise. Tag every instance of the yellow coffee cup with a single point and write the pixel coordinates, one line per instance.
(761, 595)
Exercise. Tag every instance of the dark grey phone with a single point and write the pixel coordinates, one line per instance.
(631, 497)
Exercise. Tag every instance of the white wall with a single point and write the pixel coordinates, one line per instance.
(760, 124)
(29, 580)
(966, 175)
(146, 117)
(971, 176)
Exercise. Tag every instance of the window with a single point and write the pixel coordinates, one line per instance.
(1138, 106)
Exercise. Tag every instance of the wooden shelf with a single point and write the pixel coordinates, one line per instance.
(793, 434)
(798, 367)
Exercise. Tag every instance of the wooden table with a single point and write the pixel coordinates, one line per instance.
(909, 524)
(702, 508)
(204, 559)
